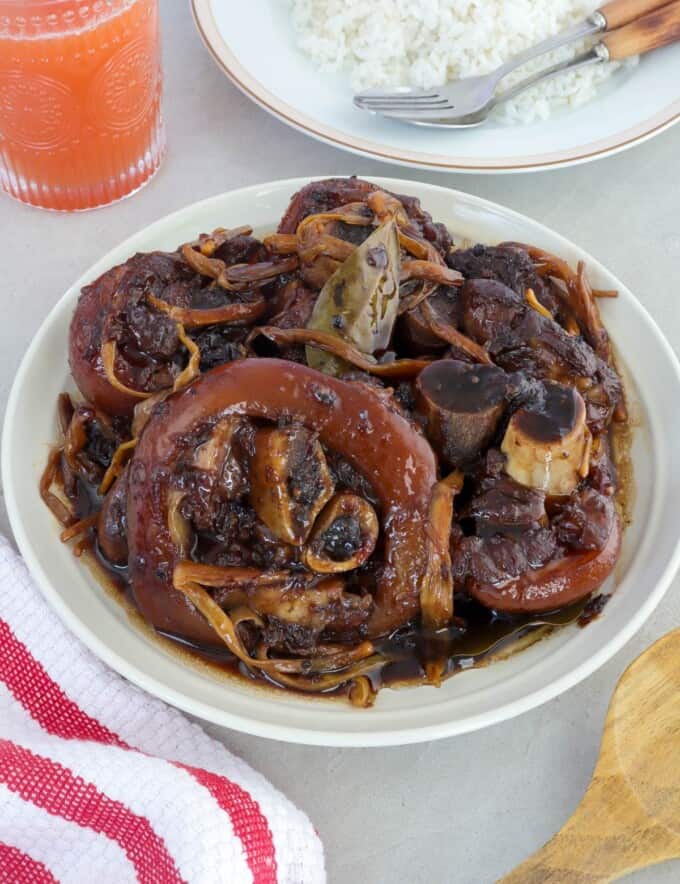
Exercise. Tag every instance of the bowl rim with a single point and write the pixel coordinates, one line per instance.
(228, 62)
(294, 733)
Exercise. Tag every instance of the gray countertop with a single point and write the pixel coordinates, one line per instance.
(460, 810)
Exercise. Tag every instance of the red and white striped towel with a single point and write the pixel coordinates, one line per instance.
(100, 782)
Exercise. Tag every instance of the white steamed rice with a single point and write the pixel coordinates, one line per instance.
(429, 42)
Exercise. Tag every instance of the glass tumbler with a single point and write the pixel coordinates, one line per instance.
(80, 100)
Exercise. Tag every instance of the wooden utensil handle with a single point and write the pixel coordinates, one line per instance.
(620, 12)
(608, 836)
(658, 28)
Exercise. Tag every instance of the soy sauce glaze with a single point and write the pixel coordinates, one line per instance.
(476, 636)
(463, 378)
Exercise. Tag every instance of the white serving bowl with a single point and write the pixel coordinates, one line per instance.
(472, 699)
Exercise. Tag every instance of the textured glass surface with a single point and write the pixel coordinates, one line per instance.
(80, 100)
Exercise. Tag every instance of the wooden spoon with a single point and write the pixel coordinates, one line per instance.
(629, 817)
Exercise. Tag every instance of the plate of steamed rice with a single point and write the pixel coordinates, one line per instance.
(303, 60)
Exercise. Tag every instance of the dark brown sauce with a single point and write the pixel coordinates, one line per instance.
(553, 416)
(477, 637)
(594, 607)
(481, 635)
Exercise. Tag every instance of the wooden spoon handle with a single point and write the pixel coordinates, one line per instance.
(620, 12)
(658, 28)
(608, 836)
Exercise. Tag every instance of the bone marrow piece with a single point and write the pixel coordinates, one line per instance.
(463, 405)
(344, 535)
(290, 481)
(349, 453)
(546, 442)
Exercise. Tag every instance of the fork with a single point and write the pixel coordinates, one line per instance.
(468, 101)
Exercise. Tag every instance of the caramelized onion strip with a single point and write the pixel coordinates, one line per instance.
(208, 245)
(118, 461)
(218, 576)
(342, 349)
(281, 243)
(220, 622)
(436, 591)
(355, 214)
(533, 301)
(326, 681)
(419, 248)
(454, 337)
(278, 669)
(579, 296)
(203, 264)
(329, 246)
(244, 614)
(240, 277)
(415, 299)
(192, 369)
(288, 244)
(385, 206)
(75, 439)
(178, 527)
(237, 311)
(108, 355)
(49, 477)
(144, 409)
(584, 468)
(361, 693)
(434, 672)
(430, 272)
(338, 661)
(588, 314)
(571, 326)
(65, 411)
(237, 277)
(78, 528)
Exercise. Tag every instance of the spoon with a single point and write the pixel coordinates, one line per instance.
(629, 817)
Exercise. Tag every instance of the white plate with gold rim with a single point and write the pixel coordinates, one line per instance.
(471, 699)
(256, 50)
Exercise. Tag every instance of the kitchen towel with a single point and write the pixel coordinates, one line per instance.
(99, 782)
